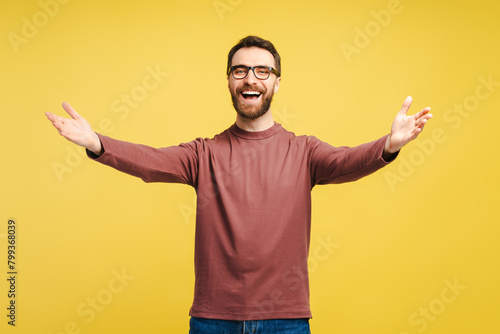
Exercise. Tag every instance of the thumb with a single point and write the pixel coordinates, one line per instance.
(69, 109)
(406, 105)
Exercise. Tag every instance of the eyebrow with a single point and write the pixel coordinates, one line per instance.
(252, 66)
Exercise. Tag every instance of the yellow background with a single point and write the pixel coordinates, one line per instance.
(400, 235)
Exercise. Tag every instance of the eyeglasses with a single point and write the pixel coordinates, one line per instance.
(260, 72)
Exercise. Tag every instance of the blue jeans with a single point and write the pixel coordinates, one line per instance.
(273, 326)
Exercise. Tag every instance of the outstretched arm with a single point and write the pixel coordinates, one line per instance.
(76, 129)
(405, 128)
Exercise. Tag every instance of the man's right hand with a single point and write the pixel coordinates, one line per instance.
(76, 129)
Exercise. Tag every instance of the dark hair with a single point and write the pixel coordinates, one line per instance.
(254, 41)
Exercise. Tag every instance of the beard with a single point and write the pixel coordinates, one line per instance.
(251, 111)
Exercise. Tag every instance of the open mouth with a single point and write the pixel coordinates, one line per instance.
(250, 95)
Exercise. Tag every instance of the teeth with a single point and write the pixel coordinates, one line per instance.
(251, 92)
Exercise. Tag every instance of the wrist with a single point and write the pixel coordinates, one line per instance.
(96, 146)
(387, 148)
(389, 153)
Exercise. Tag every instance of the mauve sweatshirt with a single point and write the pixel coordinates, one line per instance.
(253, 216)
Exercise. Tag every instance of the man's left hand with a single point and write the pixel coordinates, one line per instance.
(405, 128)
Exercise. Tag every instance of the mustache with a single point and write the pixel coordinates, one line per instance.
(248, 87)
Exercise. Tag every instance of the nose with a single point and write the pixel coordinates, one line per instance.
(251, 78)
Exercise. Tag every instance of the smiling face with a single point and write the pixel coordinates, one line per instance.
(251, 96)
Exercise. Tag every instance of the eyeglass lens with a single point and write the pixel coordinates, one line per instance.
(261, 72)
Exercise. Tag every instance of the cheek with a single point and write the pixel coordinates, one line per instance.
(232, 87)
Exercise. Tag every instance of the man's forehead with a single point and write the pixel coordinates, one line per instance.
(253, 56)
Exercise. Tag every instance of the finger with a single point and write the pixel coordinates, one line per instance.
(69, 109)
(423, 112)
(406, 105)
(57, 121)
(422, 121)
(51, 116)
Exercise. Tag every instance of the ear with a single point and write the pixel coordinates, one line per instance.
(277, 84)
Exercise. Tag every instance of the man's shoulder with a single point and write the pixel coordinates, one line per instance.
(206, 143)
(300, 138)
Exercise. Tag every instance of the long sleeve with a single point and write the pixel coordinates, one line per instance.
(253, 219)
(331, 164)
(175, 164)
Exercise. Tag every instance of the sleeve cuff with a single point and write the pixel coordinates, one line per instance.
(94, 156)
(390, 158)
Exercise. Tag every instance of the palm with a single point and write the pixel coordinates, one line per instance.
(406, 128)
(75, 129)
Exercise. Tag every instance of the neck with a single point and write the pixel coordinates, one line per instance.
(262, 123)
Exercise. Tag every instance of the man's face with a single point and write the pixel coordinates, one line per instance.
(252, 106)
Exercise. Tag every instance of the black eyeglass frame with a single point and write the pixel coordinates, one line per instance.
(271, 70)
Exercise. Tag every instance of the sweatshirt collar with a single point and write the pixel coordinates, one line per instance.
(255, 135)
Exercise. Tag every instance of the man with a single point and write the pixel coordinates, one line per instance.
(253, 184)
